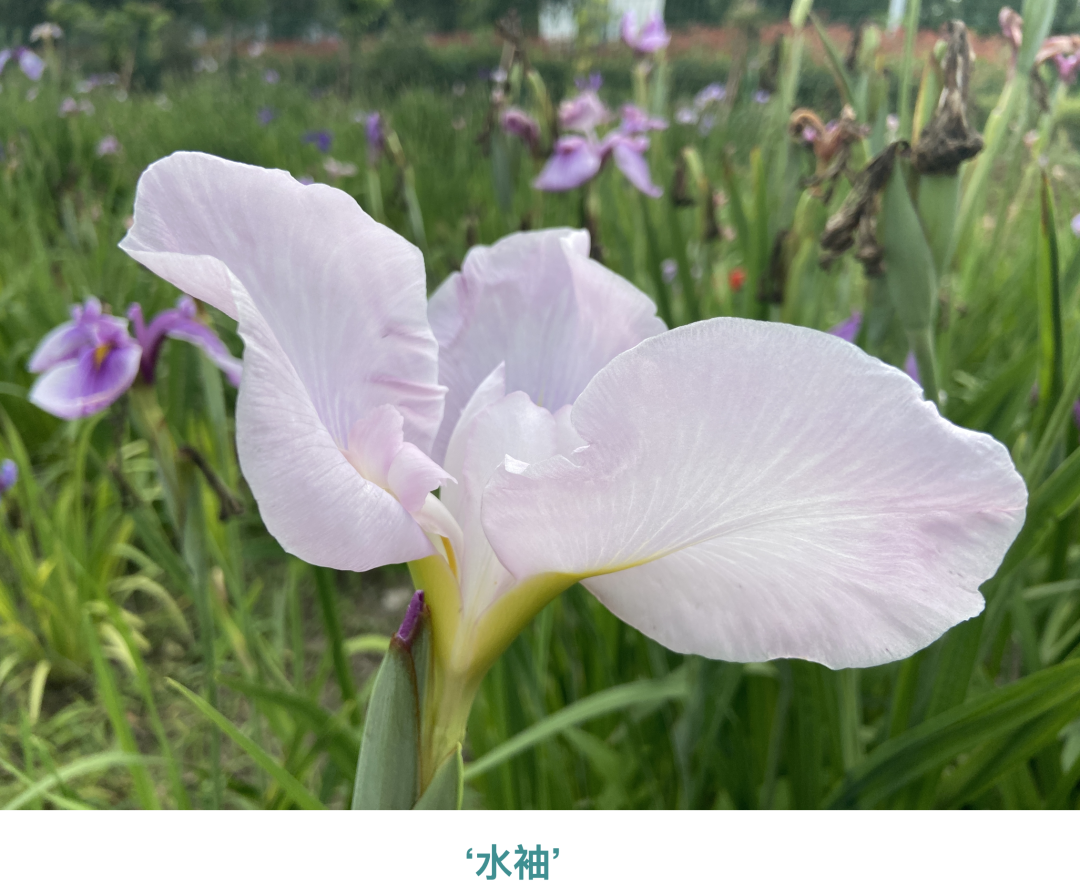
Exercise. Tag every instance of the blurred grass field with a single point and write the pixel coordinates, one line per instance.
(101, 606)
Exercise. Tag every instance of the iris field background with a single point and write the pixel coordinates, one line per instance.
(136, 672)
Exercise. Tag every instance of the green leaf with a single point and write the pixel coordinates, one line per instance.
(447, 788)
(618, 698)
(289, 784)
(388, 771)
(930, 745)
(1048, 296)
(836, 63)
(343, 743)
(96, 763)
(909, 265)
(800, 9)
(1038, 16)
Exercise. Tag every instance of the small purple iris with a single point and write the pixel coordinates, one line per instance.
(271, 76)
(635, 120)
(266, 115)
(85, 365)
(1068, 67)
(652, 37)
(577, 159)
(761, 96)
(521, 125)
(1074, 225)
(319, 138)
(9, 475)
(848, 330)
(32, 65)
(376, 137)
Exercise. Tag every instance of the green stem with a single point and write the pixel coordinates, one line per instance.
(922, 344)
(324, 585)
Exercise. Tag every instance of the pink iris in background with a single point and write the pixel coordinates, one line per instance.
(733, 488)
(652, 37)
(85, 365)
(577, 158)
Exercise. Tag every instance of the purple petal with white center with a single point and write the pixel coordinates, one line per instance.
(554, 328)
(629, 155)
(84, 385)
(575, 161)
(754, 490)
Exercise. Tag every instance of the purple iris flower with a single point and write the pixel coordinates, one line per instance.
(32, 65)
(271, 76)
(376, 137)
(1068, 67)
(182, 324)
(577, 160)
(584, 112)
(1074, 225)
(320, 138)
(522, 125)
(635, 120)
(686, 115)
(108, 145)
(593, 82)
(708, 95)
(652, 38)
(849, 328)
(669, 269)
(86, 364)
(911, 367)
(9, 474)
(266, 115)
(761, 96)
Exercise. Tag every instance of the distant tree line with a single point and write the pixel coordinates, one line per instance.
(291, 19)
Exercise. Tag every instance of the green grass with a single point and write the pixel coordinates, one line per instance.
(142, 665)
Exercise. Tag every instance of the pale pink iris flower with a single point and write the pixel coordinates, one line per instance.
(737, 489)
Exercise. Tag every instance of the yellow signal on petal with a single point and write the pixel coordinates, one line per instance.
(100, 353)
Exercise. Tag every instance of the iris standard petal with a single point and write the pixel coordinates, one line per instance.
(344, 296)
(494, 428)
(783, 493)
(554, 328)
(86, 385)
(312, 500)
(574, 162)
